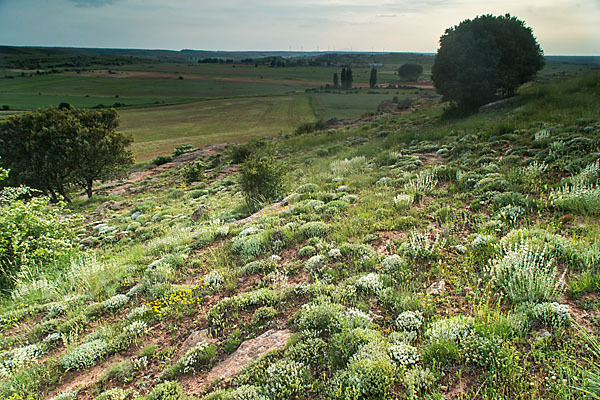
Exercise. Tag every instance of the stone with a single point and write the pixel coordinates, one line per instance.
(498, 104)
(249, 351)
(542, 335)
(193, 339)
(437, 288)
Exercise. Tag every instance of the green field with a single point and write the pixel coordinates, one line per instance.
(158, 130)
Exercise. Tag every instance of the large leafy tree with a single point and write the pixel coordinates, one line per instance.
(485, 58)
(52, 149)
(103, 152)
(410, 72)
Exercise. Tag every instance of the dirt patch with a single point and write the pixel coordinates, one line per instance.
(116, 188)
(430, 158)
(248, 351)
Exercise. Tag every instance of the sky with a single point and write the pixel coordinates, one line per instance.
(562, 27)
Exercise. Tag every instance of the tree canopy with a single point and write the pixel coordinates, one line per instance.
(52, 149)
(373, 78)
(485, 58)
(410, 72)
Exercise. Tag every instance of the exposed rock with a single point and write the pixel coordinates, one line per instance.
(249, 351)
(542, 335)
(199, 213)
(192, 340)
(275, 208)
(498, 104)
(437, 288)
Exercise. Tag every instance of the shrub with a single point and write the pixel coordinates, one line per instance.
(160, 160)
(483, 352)
(423, 183)
(264, 316)
(309, 127)
(314, 229)
(285, 379)
(249, 247)
(403, 201)
(344, 344)
(182, 149)
(420, 246)
(348, 166)
(193, 171)
(409, 321)
(198, 356)
(524, 273)
(167, 391)
(453, 329)
(306, 251)
(334, 207)
(321, 316)
(13, 360)
(31, 233)
(370, 283)
(417, 381)
(550, 314)
(310, 350)
(307, 188)
(214, 279)
(580, 199)
(115, 394)
(370, 375)
(261, 179)
(116, 302)
(84, 356)
(404, 355)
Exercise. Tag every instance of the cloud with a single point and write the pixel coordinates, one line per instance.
(385, 16)
(92, 3)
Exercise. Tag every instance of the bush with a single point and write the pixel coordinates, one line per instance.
(314, 229)
(31, 233)
(321, 316)
(404, 354)
(85, 355)
(286, 379)
(580, 199)
(182, 149)
(550, 314)
(309, 127)
(409, 321)
(193, 171)
(198, 356)
(160, 160)
(167, 391)
(524, 273)
(261, 179)
(370, 375)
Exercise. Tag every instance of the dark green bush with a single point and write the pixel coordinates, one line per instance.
(262, 179)
(182, 149)
(160, 160)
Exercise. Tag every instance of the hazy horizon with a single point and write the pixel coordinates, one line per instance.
(566, 27)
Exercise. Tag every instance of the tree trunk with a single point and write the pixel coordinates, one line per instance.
(53, 197)
(62, 192)
(88, 188)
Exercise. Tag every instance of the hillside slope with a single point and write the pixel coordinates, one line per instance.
(413, 257)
